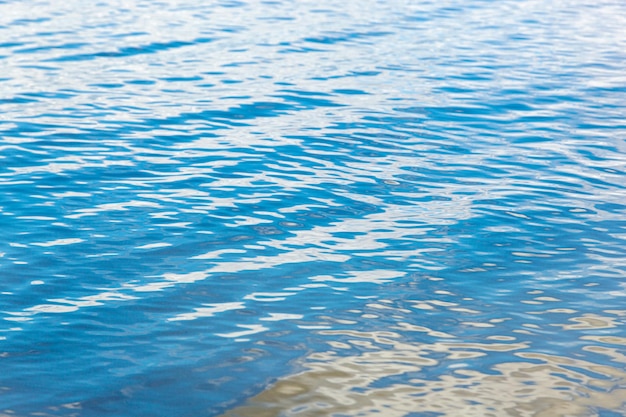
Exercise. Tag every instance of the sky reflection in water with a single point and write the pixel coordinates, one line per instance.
(314, 209)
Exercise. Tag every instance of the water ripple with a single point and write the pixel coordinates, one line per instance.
(260, 208)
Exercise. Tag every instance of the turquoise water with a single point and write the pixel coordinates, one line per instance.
(313, 208)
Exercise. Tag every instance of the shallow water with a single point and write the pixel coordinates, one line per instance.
(308, 208)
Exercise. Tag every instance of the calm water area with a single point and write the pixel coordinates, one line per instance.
(329, 208)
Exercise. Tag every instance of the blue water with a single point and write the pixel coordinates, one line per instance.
(313, 208)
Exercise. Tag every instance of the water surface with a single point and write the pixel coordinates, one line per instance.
(313, 208)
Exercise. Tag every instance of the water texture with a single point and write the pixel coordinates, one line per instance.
(313, 208)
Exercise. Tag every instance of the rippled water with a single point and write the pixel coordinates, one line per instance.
(313, 208)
